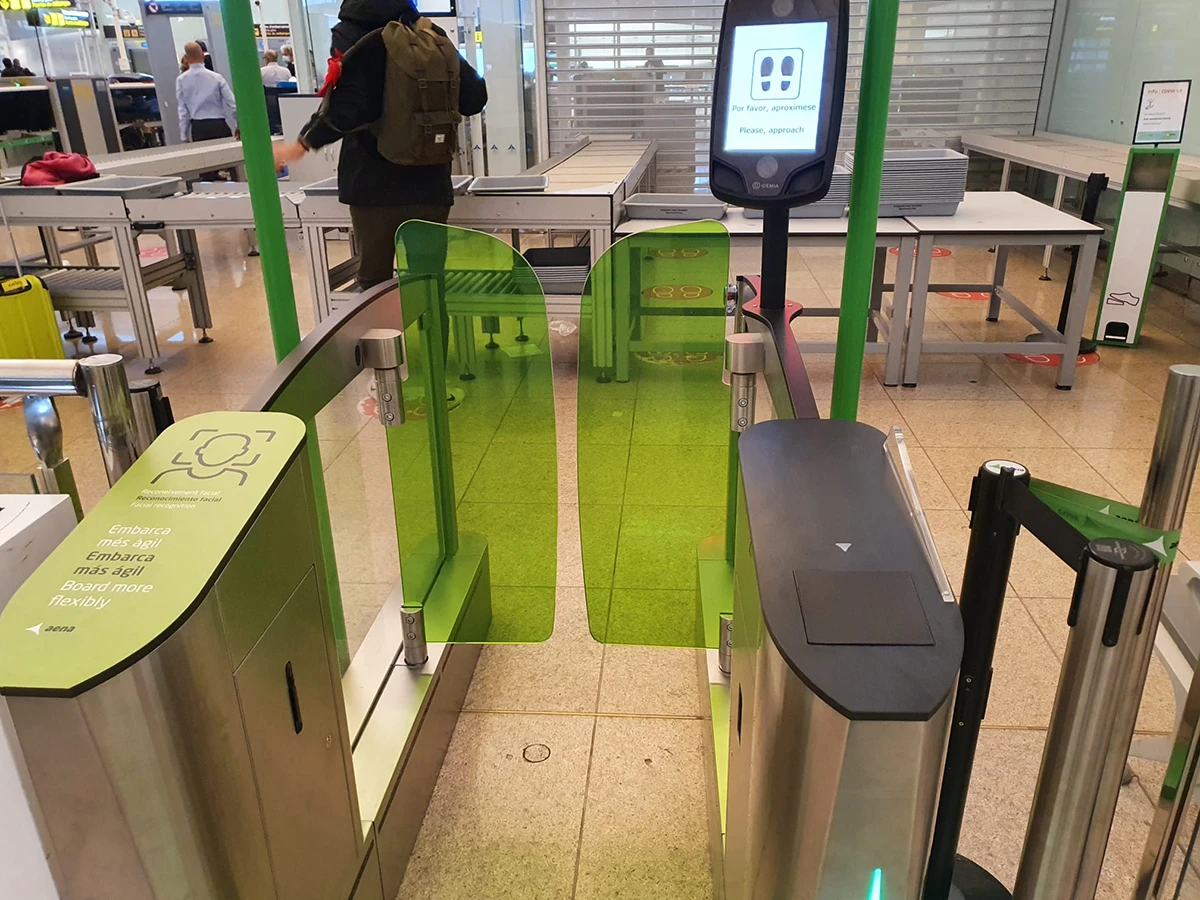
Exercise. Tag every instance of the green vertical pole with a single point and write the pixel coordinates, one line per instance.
(873, 98)
(238, 21)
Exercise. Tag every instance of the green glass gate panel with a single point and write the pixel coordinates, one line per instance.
(653, 438)
(489, 458)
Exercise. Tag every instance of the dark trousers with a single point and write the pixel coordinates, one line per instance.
(210, 130)
(375, 231)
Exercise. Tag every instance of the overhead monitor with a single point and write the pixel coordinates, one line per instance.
(436, 9)
(777, 110)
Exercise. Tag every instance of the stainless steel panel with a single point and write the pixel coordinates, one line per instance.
(145, 781)
(817, 802)
(400, 821)
(290, 713)
(267, 565)
(370, 881)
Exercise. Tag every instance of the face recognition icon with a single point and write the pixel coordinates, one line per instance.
(776, 74)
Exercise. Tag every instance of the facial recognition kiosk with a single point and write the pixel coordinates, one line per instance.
(846, 640)
(777, 113)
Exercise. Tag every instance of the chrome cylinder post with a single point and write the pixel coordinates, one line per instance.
(112, 411)
(54, 475)
(1164, 502)
(382, 351)
(745, 357)
(725, 650)
(1111, 592)
(416, 651)
(151, 412)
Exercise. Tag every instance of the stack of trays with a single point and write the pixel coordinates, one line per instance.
(831, 206)
(920, 182)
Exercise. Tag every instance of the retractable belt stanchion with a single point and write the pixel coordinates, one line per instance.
(1122, 556)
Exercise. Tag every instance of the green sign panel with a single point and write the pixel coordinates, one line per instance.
(132, 570)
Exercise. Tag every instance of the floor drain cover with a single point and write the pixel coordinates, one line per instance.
(536, 753)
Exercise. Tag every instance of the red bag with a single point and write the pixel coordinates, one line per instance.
(332, 73)
(58, 168)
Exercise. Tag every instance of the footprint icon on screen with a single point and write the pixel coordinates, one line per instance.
(777, 74)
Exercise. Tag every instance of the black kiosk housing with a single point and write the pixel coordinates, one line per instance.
(777, 102)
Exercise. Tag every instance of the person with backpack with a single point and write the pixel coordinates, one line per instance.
(398, 128)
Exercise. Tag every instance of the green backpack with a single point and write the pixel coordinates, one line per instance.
(419, 125)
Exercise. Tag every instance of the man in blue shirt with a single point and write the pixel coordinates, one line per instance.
(206, 107)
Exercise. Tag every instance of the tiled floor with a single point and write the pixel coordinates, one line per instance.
(617, 809)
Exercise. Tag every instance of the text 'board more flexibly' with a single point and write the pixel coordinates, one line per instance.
(139, 563)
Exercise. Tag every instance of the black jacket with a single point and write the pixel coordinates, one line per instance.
(364, 177)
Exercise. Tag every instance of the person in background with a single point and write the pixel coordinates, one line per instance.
(273, 72)
(7, 71)
(289, 62)
(206, 105)
(208, 63)
(19, 69)
(382, 195)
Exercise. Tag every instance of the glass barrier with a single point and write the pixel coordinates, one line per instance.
(482, 475)
(654, 438)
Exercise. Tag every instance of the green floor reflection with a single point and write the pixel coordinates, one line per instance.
(653, 434)
(481, 367)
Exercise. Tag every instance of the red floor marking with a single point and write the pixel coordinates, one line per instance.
(938, 252)
(966, 295)
(1053, 359)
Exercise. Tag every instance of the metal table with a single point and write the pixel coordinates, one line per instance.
(1002, 219)
(884, 337)
(587, 187)
(1076, 158)
(184, 161)
(78, 289)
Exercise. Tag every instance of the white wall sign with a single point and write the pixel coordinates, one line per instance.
(1162, 111)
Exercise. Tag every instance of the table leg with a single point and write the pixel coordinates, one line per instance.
(252, 242)
(50, 245)
(877, 278)
(197, 292)
(139, 302)
(1059, 187)
(464, 343)
(1005, 173)
(602, 308)
(920, 297)
(899, 319)
(318, 270)
(1077, 312)
(998, 273)
(621, 270)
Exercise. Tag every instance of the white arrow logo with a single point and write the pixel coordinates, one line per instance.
(1157, 546)
(843, 547)
(1107, 510)
(36, 629)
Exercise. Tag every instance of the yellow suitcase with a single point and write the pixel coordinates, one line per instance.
(27, 326)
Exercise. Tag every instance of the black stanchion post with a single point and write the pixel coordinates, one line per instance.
(1097, 184)
(985, 580)
(773, 289)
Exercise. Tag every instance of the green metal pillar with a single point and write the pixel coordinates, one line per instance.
(238, 21)
(873, 98)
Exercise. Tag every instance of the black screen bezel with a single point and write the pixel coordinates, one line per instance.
(835, 13)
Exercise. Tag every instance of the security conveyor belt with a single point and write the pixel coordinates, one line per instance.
(586, 188)
(86, 289)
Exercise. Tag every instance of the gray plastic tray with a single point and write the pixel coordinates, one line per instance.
(509, 184)
(688, 207)
(818, 210)
(325, 186)
(131, 187)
